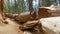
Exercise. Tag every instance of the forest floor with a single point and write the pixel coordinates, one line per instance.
(10, 28)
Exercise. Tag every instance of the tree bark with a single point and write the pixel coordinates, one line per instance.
(30, 5)
(2, 8)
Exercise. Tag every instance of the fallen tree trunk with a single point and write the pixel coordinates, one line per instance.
(34, 27)
(51, 25)
(23, 17)
(44, 13)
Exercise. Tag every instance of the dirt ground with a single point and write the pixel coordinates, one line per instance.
(10, 28)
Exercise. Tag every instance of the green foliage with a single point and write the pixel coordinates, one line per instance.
(18, 6)
(46, 2)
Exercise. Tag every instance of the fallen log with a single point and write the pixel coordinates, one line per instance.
(29, 24)
(51, 25)
(32, 27)
(22, 17)
(43, 12)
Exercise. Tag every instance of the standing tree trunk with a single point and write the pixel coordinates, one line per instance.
(40, 3)
(30, 5)
(32, 13)
(1, 5)
(2, 8)
(2, 15)
(15, 7)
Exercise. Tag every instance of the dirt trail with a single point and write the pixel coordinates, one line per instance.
(10, 28)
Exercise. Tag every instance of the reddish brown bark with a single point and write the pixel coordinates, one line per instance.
(2, 8)
(43, 13)
(1, 5)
